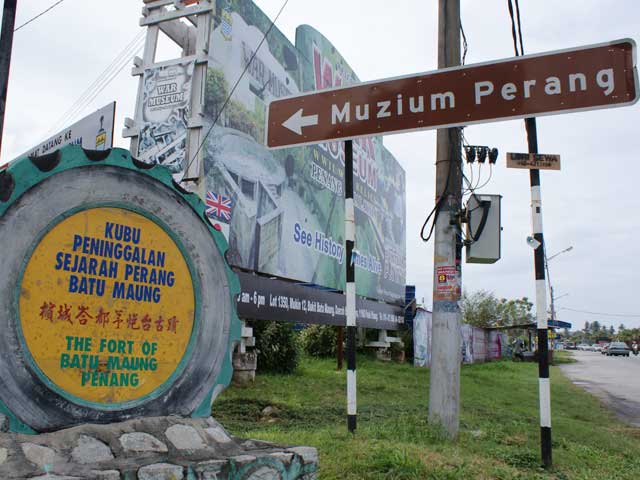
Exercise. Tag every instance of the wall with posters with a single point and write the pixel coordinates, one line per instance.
(476, 344)
(284, 210)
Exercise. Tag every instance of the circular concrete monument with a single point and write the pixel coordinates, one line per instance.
(116, 299)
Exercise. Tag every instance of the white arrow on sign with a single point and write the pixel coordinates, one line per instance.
(296, 121)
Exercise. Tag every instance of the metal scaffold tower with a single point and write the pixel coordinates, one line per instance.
(188, 24)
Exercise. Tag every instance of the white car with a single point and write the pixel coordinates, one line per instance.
(584, 347)
(596, 347)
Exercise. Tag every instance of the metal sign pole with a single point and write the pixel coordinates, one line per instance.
(541, 302)
(350, 290)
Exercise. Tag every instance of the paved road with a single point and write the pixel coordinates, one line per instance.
(614, 380)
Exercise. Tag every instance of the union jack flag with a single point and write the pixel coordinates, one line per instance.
(219, 206)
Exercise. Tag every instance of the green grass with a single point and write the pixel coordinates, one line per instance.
(499, 429)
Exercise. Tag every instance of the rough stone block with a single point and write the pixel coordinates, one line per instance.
(105, 475)
(185, 437)
(243, 459)
(243, 377)
(210, 470)
(142, 442)
(38, 454)
(161, 471)
(3, 455)
(217, 434)
(245, 361)
(49, 476)
(284, 457)
(308, 454)
(91, 450)
(4, 423)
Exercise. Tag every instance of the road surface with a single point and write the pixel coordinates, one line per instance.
(614, 380)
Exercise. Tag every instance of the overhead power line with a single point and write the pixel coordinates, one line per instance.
(608, 314)
(39, 15)
(121, 60)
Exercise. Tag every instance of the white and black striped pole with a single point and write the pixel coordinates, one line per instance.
(541, 302)
(350, 290)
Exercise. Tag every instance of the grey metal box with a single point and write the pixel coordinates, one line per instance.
(486, 249)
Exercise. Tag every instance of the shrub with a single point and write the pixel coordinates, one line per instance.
(320, 340)
(277, 347)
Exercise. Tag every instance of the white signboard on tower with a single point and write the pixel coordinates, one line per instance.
(165, 115)
(93, 132)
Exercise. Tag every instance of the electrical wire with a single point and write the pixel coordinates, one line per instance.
(465, 45)
(601, 313)
(487, 180)
(38, 16)
(519, 27)
(514, 35)
(246, 67)
(102, 80)
(435, 212)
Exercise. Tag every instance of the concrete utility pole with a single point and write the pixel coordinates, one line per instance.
(6, 43)
(444, 391)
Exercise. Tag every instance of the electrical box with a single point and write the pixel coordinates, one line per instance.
(483, 228)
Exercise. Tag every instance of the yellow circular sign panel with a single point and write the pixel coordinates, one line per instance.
(107, 306)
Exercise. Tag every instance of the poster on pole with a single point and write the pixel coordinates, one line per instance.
(93, 132)
(422, 328)
(285, 212)
(165, 115)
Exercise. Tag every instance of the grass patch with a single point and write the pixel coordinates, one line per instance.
(499, 429)
(563, 356)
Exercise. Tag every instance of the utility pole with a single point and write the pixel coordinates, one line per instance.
(541, 301)
(444, 391)
(6, 43)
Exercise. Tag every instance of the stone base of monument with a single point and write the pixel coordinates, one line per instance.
(244, 367)
(148, 449)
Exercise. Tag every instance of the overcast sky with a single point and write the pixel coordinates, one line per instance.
(592, 204)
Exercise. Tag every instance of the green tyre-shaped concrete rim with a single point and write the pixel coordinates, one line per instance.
(35, 195)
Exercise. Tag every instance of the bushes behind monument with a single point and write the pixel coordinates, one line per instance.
(277, 345)
(320, 340)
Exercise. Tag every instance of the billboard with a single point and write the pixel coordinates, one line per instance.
(166, 100)
(285, 209)
(93, 132)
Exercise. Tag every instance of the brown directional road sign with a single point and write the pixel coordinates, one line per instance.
(585, 78)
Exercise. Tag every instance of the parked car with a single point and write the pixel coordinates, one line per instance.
(584, 347)
(604, 349)
(618, 348)
(596, 347)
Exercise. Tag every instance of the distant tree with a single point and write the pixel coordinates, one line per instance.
(479, 309)
(612, 331)
(483, 309)
(621, 327)
(515, 312)
(587, 327)
(595, 326)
